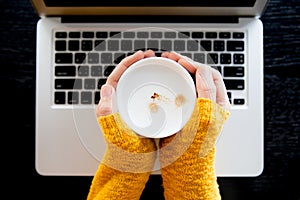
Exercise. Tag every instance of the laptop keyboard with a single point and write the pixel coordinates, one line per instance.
(84, 59)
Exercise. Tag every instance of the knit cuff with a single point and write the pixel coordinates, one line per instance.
(126, 151)
(198, 136)
(207, 135)
(188, 164)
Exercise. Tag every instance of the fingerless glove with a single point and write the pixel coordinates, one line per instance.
(188, 158)
(126, 165)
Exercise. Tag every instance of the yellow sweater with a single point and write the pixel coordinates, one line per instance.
(187, 158)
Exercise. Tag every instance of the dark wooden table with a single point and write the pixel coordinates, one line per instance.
(280, 177)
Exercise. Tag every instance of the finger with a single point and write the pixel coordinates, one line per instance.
(114, 77)
(205, 85)
(188, 64)
(185, 61)
(171, 55)
(221, 92)
(149, 53)
(105, 105)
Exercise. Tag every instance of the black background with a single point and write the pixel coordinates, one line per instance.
(280, 178)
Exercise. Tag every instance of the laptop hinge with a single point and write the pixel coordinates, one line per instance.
(149, 19)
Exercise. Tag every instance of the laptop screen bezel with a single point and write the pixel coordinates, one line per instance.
(43, 10)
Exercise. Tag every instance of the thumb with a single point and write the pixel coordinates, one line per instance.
(105, 105)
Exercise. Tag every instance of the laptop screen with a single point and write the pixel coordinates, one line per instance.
(248, 8)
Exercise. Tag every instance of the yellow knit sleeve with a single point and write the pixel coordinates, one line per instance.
(127, 163)
(188, 158)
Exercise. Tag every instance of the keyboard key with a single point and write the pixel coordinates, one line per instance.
(233, 71)
(224, 35)
(65, 71)
(96, 70)
(74, 45)
(142, 34)
(88, 34)
(113, 45)
(61, 34)
(129, 34)
(139, 45)
(63, 58)
(239, 101)
(126, 45)
(89, 84)
(212, 58)
(229, 96)
(86, 97)
(118, 57)
(238, 35)
(235, 45)
(166, 45)
(156, 34)
(106, 58)
(68, 84)
(219, 45)
(183, 34)
(205, 45)
(199, 57)
(108, 70)
(101, 82)
(197, 35)
(170, 34)
(211, 34)
(153, 44)
(59, 98)
(179, 45)
(225, 58)
(233, 84)
(73, 97)
(74, 34)
(83, 70)
(86, 45)
(97, 97)
(93, 58)
(60, 45)
(115, 34)
(100, 45)
(102, 34)
(80, 58)
(238, 58)
(192, 45)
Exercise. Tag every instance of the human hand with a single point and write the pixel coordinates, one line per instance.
(187, 157)
(209, 81)
(211, 111)
(133, 153)
(107, 92)
(129, 159)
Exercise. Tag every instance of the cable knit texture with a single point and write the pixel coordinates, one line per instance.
(186, 158)
(192, 176)
(126, 165)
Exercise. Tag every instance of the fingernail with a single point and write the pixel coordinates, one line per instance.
(106, 91)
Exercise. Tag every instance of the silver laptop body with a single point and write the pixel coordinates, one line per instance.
(69, 141)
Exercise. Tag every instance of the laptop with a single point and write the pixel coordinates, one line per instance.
(80, 42)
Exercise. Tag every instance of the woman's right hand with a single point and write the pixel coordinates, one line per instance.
(209, 81)
(187, 157)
